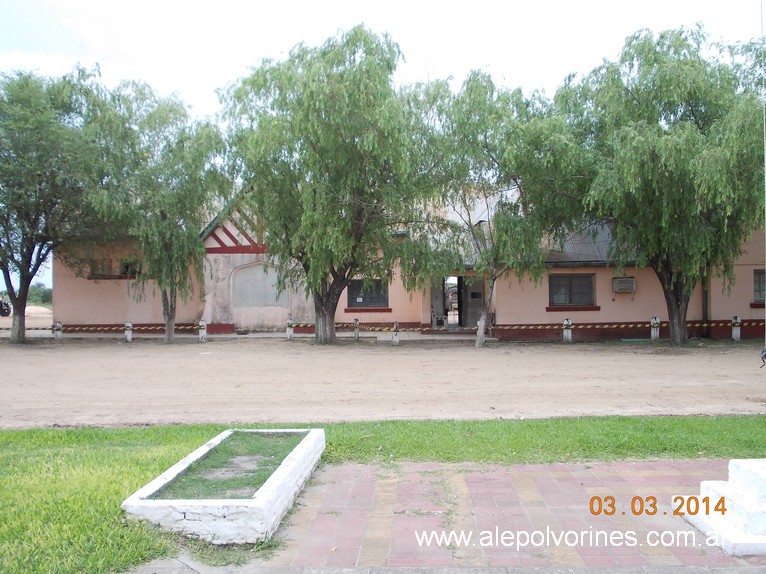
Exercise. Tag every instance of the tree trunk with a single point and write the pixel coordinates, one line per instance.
(19, 325)
(677, 294)
(482, 325)
(677, 321)
(325, 305)
(324, 325)
(706, 304)
(169, 314)
(19, 304)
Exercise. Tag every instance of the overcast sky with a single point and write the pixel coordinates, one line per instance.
(194, 48)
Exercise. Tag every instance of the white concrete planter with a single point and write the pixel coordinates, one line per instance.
(231, 521)
(741, 531)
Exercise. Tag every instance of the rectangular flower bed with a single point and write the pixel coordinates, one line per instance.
(230, 520)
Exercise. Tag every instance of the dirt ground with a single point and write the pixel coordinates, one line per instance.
(105, 381)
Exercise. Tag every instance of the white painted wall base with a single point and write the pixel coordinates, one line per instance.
(231, 521)
(741, 531)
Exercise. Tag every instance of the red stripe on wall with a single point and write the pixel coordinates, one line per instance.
(244, 233)
(217, 239)
(230, 235)
(258, 249)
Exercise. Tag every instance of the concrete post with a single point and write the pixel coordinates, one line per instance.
(736, 321)
(128, 332)
(57, 329)
(356, 329)
(290, 330)
(202, 332)
(655, 325)
(395, 337)
(567, 330)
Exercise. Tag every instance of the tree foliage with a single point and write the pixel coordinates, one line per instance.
(336, 164)
(171, 185)
(681, 160)
(516, 179)
(50, 165)
(351, 177)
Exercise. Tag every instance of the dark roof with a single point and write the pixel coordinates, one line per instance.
(216, 221)
(586, 247)
(223, 214)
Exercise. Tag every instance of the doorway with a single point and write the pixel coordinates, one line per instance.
(452, 301)
(459, 300)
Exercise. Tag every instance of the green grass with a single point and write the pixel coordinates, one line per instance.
(202, 479)
(61, 489)
(549, 440)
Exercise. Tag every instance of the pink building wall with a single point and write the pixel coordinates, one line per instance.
(519, 305)
(521, 308)
(739, 299)
(523, 302)
(107, 302)
(406, 307)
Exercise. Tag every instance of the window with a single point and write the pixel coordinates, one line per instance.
(129, 269)
(100, 268)
(759, 286)
(570, 290)
(374, 294)
(105, 268)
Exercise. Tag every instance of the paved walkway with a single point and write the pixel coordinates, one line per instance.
(366, 519)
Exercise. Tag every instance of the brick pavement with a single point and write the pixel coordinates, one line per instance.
(357, 515)
(362, 519)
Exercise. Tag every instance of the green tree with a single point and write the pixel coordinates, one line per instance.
(40, 293)
(337, 167)
(517, 178)
(50, 164)
(681, 175)
(172, 187)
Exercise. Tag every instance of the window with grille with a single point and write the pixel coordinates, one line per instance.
(759, 286)
(571, 290)
(373, 294)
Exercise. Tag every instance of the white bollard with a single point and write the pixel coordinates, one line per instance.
(736, 322)
(290, 330)
(202, 332)
(57, 329)
(655, 325)
(395, 336)
(356, 329)
(128, 331)
(567, 330)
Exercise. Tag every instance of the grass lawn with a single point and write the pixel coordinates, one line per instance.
(61, 489)
(221, 474)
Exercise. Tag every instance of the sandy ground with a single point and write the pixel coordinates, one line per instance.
(105, 381)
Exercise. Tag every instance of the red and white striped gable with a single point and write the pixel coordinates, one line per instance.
(236, 234)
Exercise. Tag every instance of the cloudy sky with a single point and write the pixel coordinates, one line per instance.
(193, 48)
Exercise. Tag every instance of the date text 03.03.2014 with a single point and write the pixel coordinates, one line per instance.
(682, 505)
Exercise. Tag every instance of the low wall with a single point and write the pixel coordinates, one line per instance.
(612, 331)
